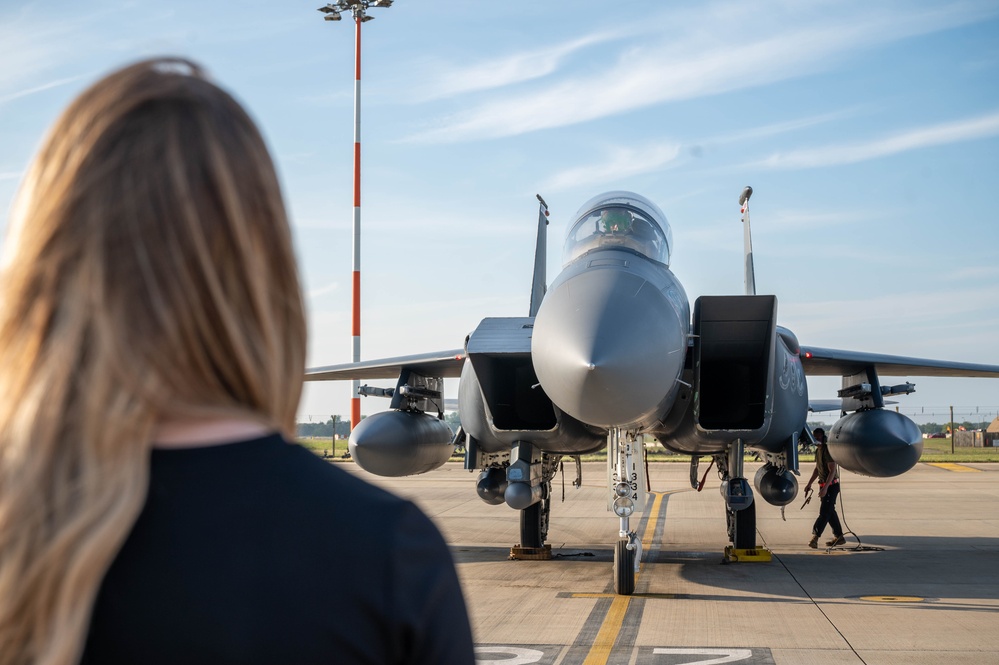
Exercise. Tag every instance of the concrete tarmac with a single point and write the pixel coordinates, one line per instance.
(921, 588)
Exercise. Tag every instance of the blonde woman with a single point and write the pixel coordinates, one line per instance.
(152, 344)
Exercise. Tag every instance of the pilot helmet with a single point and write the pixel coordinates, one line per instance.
(615, 220)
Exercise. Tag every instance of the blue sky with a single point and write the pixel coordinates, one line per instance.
(869, 132)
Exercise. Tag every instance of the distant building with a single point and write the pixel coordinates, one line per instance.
(992, 434)
(978, 438)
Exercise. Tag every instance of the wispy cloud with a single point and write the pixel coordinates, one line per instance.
(834, 155)
(877, 321)
(505, 70)
(41, 88)
(804, 220)
(778, 128)
(708, 54)
(621, 163)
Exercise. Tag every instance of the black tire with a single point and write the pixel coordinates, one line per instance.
(745, 528)
(624, 569)
(530, 526)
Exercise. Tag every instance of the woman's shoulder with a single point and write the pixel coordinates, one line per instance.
(295, 462)
(271, 468)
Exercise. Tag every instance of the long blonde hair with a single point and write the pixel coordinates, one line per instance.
(148, 274)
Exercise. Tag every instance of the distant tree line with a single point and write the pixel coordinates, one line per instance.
(325, 429)
(928, 428)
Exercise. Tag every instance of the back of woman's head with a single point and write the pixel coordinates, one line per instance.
(148, 274)
(153, 215)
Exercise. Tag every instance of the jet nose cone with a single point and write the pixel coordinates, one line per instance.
(608, 347)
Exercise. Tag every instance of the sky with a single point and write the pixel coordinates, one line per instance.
(869, 132)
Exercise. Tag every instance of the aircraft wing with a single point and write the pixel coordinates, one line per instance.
(820, 405)
(835, 362)
(444, 364)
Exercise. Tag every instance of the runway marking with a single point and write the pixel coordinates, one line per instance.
(604, 641)
(654, 521)
(727, 655)
(642, 596)
(517, 655)
(600, 651)
(950, 466)
(893, 599)
(553, 654)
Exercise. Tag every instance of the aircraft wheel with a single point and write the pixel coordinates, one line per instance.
(624, 569)
(745, 528)
(530, 526)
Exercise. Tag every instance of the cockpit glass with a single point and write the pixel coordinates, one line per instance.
(616, 227)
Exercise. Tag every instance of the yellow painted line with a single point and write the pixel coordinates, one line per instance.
(604, 642)
(643, 596)
(593, 595)
(950, 466)
(893, 599)
(650, 528)
(600, 650)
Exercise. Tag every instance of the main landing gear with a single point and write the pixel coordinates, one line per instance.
(534, 518)
(742, 527)
(740, 508)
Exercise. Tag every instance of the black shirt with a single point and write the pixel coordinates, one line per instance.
(260, 552)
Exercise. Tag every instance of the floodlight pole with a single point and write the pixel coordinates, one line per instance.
(355, 316)
(358, 9)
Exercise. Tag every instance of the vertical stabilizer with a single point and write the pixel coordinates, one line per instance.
(539, 285)
(747, 241)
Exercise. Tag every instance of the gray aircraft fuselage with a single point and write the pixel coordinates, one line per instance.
(612, 347)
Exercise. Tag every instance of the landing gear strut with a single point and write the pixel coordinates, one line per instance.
(740, 508)
(626, 476)
(535, 518)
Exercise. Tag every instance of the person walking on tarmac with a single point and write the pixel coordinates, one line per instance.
(827, 471)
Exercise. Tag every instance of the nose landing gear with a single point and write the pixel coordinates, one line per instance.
(626, 476)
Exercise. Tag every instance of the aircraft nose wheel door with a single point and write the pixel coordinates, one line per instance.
(626, 476)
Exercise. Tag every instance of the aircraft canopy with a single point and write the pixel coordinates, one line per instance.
(619, 220)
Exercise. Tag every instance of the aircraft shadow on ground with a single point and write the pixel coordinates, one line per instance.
(918, 566)
(467, 554)
(928, 568)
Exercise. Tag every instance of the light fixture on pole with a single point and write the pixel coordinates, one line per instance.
(333, 12)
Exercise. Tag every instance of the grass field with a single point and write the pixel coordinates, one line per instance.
(934, 450)
(322, 446)
(938, 450)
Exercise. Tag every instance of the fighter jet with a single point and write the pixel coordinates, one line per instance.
(611, 353)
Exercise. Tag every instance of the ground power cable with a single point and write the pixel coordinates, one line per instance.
(859, 547)
(809, 597)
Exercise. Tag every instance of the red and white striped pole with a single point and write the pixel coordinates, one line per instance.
(333, 12)
(355, 331)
